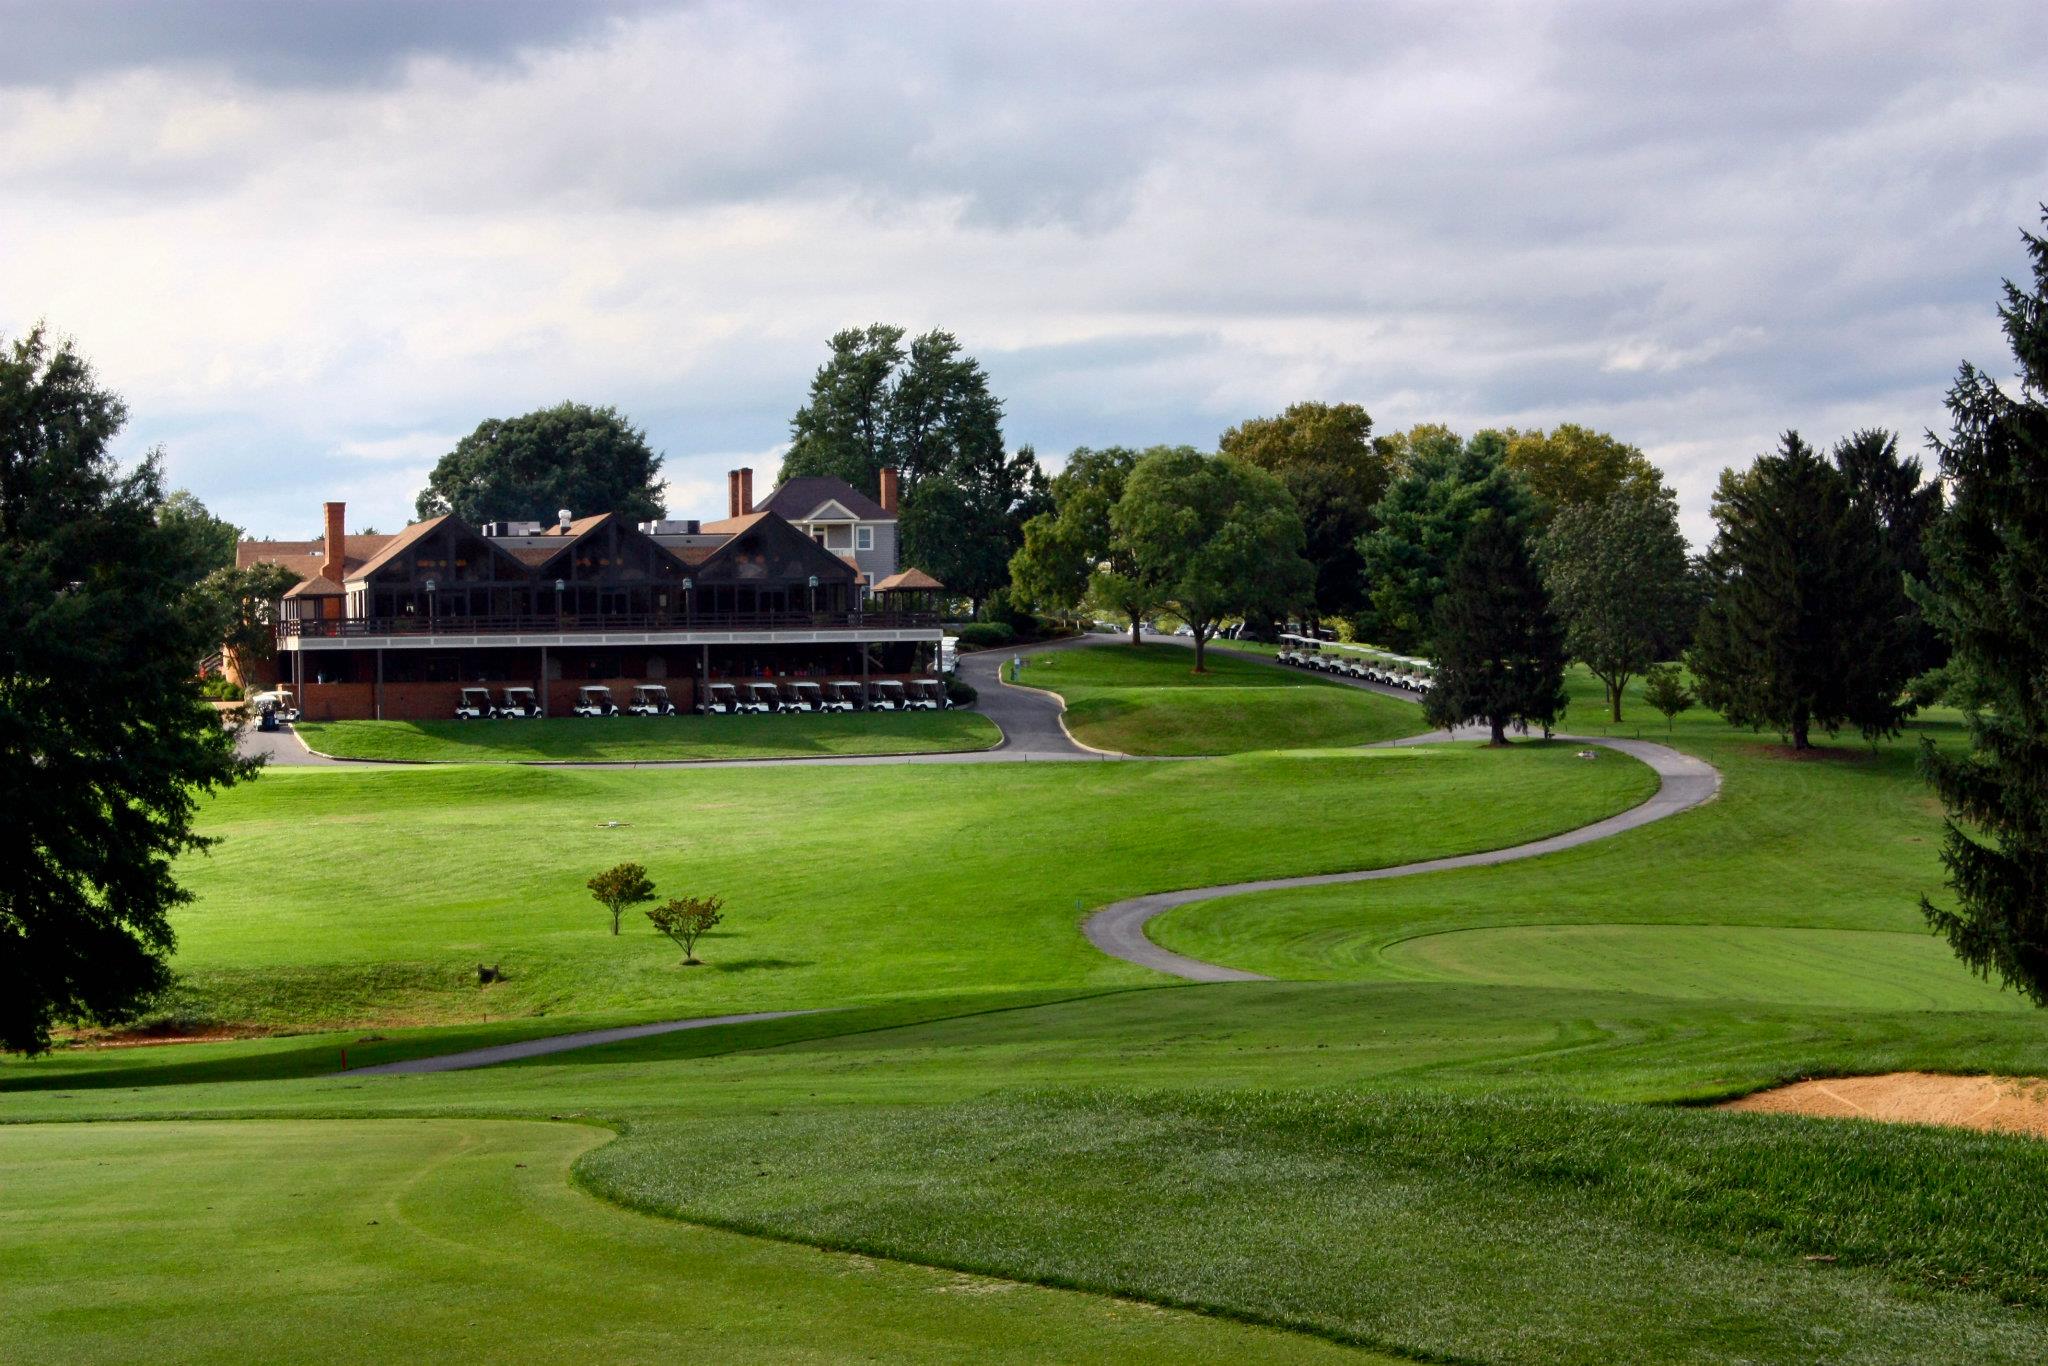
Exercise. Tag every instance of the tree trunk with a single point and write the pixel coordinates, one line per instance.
(1137, 629)
(1500, 729)
(1614, 700)
(1201, 666)
(1800, 732)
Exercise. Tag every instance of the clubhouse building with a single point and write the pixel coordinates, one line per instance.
(804, 585)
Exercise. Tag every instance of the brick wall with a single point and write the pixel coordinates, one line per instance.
(436, 701)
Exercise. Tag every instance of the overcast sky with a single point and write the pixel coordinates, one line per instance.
(314, 244)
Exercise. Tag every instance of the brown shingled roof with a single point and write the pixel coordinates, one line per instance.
(305, 557)
(316, 587)
(908, 578)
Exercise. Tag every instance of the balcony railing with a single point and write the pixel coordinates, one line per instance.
(592, 623)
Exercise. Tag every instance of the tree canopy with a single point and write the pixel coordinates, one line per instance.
(1573, 466)
(527, 468)
(105, 744)
(963, 525)
(1499, 650)
(1443, 489)
(1213, 537)
(1325, 456)
(1070, 554)
(204, 542)
(1989, 563)
(1617, 575)
(1907, 505)
(1806, 620)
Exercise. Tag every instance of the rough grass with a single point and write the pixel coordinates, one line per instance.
(1148, 700)
(1511, 1230)
(653, 739)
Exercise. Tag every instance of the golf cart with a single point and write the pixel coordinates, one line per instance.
(475, 705)
(650, 699)
(519, 702)
(762, 697)
(886, 694)
(594, 699)
(927, 694)
(803, 697)
(278, 702)
(720, 699)
(843, 695)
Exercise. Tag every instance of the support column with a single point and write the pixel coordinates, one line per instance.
(704, 677)
(380, 684)
(543, 689)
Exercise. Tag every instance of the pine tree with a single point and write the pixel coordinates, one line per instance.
(1989, 562)
(1807, 620)
(1500, 653)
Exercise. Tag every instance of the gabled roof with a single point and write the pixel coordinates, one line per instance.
(394, 544)
(306, 557)
(316, 587)
(795, 550)
(908, 579)
(798, 498)
(567, 537)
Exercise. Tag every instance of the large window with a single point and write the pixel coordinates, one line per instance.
(864, 538)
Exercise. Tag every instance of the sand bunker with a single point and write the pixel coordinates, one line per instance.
(2017, 1105)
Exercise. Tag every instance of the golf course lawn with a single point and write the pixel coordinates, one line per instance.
(1147, 699)
(1463, 1130)
(370, 896)
(653, 739)
(464, 1240)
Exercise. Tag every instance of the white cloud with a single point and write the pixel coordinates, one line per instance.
(1693, 227)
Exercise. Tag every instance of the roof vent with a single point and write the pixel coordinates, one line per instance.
(562, 516)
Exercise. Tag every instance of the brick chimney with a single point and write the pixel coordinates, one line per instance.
(888, 490)
(335, 565)
(746, 491)
(732, 493)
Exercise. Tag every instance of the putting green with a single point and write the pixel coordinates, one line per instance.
(462, 1240)
(1860, 968)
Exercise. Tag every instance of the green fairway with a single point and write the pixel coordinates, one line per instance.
(653, 739)
(453, 1240)
(1148, 700)
(369, 897)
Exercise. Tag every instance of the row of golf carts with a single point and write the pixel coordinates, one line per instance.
(720, 699)
(1358, 661)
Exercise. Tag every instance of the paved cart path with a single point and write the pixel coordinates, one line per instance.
(558, 1043)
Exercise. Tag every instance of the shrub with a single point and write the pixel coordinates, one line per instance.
(959, 691)
(220, 689)
(987, 635)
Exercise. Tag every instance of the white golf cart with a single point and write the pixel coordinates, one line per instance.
(886, 694)
(521, 703)
(762, 698)
(475, 705)
(594, 699)
(650, 699)
(283, 706)
(802, 697)
(928, 694)
(720, 699)
(843, 695)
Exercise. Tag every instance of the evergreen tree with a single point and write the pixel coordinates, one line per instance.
(1906, 505)
(1989, 560)
(1500, 653)
(1806, 622)
(1444, 489)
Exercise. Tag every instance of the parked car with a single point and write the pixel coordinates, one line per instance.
(475, 705)
(650, 699)
(519, 702)
(594, 699)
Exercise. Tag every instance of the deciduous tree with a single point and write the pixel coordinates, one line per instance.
(1574, 466)
(1989, 561)
(686, 919)
(1212, 537)
(203, 541)
(105, 744)
(620, 886)
(1618, 579)
(573, 456)
(1499, 652)
(1805, 623)
(1070, 554)
(1325, 456)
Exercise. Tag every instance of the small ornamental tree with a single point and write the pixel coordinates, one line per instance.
(1664, 688)
(618, 887)
(685, 919)
(1990, 603)
(1500, 653)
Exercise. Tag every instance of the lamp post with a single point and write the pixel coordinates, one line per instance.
(430, 607)
(560, 584)
(689, 602)
(814, 595)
